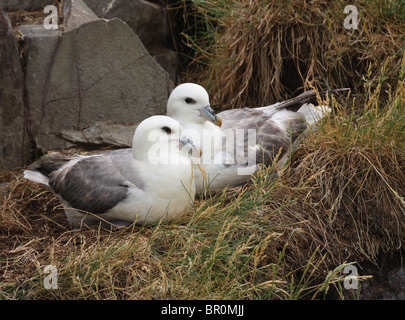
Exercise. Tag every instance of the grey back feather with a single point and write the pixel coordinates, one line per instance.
(98, 183)
(269, 136)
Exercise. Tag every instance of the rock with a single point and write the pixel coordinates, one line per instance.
(75, 13)
(14, 141)
(41, 45)
(103, 133)
(149, 20)
(168, 60)
(27, 5)
(98, 71)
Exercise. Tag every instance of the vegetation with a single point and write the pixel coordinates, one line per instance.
(339, 201)
(257, 52)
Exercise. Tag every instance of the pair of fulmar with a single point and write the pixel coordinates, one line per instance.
(173, 157)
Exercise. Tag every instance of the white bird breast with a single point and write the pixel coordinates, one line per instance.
(166, 150)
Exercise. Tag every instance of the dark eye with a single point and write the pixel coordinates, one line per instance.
(167, 130)
(189, 100)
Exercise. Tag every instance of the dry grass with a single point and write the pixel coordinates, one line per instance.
(232, 246)
(253, 53)
(21, 17)
(346, 180)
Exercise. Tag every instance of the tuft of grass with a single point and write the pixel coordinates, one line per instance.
(352, 172)
(229, 247)
(255, 53)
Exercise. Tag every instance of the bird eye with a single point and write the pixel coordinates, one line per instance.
(189, 100)
(167, 130)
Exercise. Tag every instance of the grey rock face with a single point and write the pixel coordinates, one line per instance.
(103, 133)
(41, 45)
(149, 20)
(75, 13)
(88, 83)
(99, 71)
(14, 141)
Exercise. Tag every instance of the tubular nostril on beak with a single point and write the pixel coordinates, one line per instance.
(187, 145)
(209, 114)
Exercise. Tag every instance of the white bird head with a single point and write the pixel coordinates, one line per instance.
(160, 139)
(190, 102)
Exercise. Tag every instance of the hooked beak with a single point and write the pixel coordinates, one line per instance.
(187, 145)
(209, 114)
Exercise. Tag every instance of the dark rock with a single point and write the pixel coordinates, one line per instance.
(388, 281)
(168, 60)
(149, 20)
(14, 141)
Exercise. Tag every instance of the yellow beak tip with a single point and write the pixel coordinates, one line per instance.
(218, 122)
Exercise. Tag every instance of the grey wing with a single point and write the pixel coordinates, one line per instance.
(232, 116)
(272, 140)
(269, 137)
(94, 184)
(294, 103)
(304, 97)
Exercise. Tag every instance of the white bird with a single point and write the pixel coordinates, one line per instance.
(149, 182)
(229, 157)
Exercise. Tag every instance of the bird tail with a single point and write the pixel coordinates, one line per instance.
(40, 172)
(36, 176)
